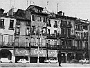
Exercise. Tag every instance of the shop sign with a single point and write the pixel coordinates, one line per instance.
(21, 52)
(35, 52)
(52, 53)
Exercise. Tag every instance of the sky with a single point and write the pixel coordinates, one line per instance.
(73, 8)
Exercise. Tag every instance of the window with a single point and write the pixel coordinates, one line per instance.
(49, 24)
(17, 30)
(63, 23)
(33, 30)
(81, 35)
(49, 31)
(55, 32)
(44, 19)
(44, 31)
(1, 23)
(11, 40)
(27, 42)
(18, 22)
(28, 31)
(69, 31)
(40, 18)
(16, 42)
(11, 24)
(28, 23)
(33, 17)
(62, 31)
(55, 25)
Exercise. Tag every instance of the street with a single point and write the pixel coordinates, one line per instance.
(43, 65)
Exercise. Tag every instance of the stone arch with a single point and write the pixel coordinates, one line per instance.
(5, 53)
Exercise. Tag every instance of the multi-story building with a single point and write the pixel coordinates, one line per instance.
(67, 35)
(7, 30)
(81, 40)
(36, 36)
(38, 33)
(22, 36)
(53, 41)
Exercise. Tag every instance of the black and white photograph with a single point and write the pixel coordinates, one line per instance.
(44, 33)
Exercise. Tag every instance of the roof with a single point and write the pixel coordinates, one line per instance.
(31, 6)
(20, 14)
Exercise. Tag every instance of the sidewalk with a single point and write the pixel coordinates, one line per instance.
(43, 65)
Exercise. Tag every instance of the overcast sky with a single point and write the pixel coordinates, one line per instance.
(74, 8)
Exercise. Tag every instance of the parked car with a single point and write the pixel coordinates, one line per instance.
(51, 60)
(5, 60)
(23, 61)
(84, 61)
(74, 61)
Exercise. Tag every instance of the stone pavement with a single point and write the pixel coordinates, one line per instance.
(43, 65)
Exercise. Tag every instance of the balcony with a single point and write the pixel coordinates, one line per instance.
(7, 44)
(78, 38)
(53, 47)
(71, 37)
(69, 26)
(62, 36)
(52, 36)
(21, 44)
(84, 38)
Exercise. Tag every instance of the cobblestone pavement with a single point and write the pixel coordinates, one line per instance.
(43, 65)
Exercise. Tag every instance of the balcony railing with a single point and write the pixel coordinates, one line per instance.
(53, 46)
(6, 44)
(52, 36)
(69, 25)
(21, 44)
(71, 37)
(62, 36)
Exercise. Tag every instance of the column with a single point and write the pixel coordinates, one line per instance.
(66, 57)
(29, 58)
(13, 58)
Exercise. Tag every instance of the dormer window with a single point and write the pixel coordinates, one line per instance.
(11, 24)
(1, 23)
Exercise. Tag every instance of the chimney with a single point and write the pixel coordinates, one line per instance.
(1, 11)
(60, 13)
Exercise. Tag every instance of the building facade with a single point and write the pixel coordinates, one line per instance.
(81, 40)
(36, 36)
(7, 30)
(38, 52)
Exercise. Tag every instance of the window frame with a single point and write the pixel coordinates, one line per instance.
(11, 26)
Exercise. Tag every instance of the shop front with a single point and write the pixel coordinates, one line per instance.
(52, 54)
(21, 53)
(36, 55)
(7, 53)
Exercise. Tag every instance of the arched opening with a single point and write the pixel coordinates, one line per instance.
(4, 53)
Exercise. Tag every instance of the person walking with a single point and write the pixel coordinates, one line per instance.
(59, 57)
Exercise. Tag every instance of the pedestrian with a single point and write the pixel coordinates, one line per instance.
(59, 57)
